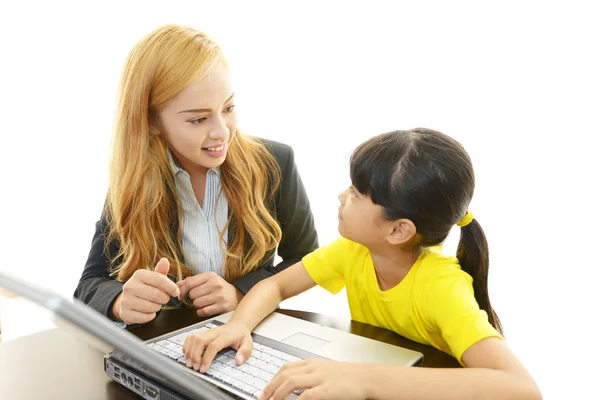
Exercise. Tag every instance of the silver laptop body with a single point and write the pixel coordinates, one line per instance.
(156, 369)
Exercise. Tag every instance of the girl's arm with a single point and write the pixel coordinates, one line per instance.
(266, 295)
(200, 349)
(493, 372)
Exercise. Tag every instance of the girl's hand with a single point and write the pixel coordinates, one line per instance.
(321, 379)
(201, 348)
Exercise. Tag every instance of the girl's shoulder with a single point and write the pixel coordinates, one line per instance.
(347, 248)
(437, 267)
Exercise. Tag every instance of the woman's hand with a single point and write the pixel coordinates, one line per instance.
(210, 293)
(144, 294)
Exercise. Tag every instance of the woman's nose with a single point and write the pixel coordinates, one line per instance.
(220, 131)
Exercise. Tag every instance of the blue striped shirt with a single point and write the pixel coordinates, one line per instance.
(202, 224)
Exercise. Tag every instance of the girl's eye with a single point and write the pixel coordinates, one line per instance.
(198, 121)
(230, 108)
(352, 191)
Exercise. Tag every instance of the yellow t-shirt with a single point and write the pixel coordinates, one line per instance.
(434, 304)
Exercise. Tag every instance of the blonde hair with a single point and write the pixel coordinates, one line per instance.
(142, 202)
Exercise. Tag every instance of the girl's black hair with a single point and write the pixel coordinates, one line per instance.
(427, 177)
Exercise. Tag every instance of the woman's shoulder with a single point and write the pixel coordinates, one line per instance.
(280, 151)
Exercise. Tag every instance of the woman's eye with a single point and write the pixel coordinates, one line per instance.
(230, 108)
(197, 121)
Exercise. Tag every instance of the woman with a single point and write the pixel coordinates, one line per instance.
(195, 209)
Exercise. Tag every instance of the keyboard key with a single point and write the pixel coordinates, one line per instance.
(259, 383)
(262, 365)
(249, 369)
(238, 384)
(275, 361)
(218, 375)
(172, 346)
(259, 355)
(230, 353)
(253, 362)
(265, 376)
(273, 369)
(227, 370)
(259, 346)
(179, 339)
(289, 357)
(280, 363)
(246, 378)
(162, 350)
(282, 355)
(231, 362)
(218, 366)
(248, 389)
(221, 358)
(236, 374)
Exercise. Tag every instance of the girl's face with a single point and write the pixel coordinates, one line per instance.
(200, 122)
(360, 220)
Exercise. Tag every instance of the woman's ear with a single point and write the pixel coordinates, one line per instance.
(402, 232)
(154, 124)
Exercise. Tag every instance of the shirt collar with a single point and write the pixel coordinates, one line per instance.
(177, 169)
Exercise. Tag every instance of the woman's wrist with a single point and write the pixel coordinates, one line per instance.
(115, 310)
(239, 295)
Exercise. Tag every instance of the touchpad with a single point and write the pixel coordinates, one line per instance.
(306, 342)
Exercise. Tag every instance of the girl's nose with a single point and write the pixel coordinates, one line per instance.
(342, 196)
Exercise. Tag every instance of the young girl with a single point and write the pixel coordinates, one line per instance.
(408, 189)
(189, 193)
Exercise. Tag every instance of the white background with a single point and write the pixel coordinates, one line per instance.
(516, 82)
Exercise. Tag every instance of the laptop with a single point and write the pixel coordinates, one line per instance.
(156, 369)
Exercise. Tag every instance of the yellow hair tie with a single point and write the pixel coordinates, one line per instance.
(466, 220)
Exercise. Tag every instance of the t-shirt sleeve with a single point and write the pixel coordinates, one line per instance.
(326, 265)
(452, 308)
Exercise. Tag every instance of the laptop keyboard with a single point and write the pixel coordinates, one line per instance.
(250, 378)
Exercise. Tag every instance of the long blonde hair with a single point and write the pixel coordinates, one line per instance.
(142, 203)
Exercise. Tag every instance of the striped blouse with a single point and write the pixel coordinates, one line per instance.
(202, 224)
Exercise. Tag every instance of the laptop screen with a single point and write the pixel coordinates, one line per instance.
(125, 343)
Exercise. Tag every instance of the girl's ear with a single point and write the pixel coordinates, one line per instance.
(402, 232)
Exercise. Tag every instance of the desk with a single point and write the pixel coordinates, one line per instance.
(52, 365)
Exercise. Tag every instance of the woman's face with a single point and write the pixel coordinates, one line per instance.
(200, 122)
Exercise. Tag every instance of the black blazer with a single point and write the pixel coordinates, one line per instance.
(290, 207)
